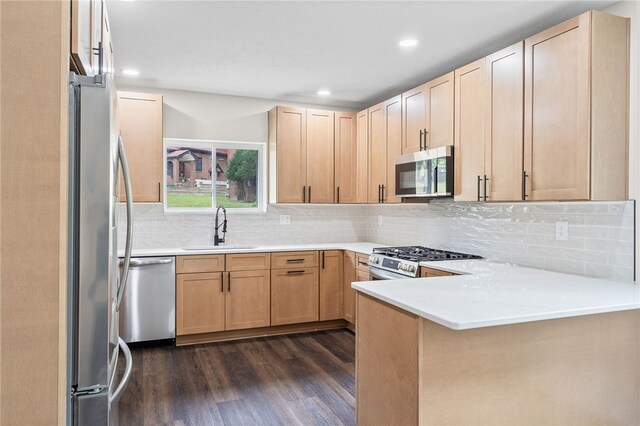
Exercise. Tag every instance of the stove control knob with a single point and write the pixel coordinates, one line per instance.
(402, 267)
(412, 268)
(374, 259)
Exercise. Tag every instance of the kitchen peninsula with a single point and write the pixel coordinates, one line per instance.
(497, 344)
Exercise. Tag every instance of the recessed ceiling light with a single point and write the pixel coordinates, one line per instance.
(130, 72)
(410, 42)
(324, 92)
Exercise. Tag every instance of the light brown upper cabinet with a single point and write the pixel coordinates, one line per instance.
(385, 138)
(414, 119)
(107, 44)
(320, 156)
(576, 110)
(346, 170)
(488, 131)
(301, 155)
(89, 31)
(288, 155)
(140, 117)
(503, 124)
(362, 162)
(469, 131)
(427, 115)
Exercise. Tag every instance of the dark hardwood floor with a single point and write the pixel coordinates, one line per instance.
(284, 380)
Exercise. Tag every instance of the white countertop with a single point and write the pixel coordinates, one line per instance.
(364, 248)
(491, 294)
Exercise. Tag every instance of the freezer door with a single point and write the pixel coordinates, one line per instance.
(92, 409)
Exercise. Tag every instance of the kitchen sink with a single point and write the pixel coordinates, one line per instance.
(223, 247)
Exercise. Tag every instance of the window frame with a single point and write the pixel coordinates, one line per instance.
(261, 174)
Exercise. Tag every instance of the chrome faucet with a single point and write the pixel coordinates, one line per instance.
(216, 238)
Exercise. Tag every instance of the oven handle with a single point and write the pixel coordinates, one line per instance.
(381, 274)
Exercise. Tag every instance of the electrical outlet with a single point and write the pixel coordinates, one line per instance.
(379, 220)
(285, 219)
(562, 230)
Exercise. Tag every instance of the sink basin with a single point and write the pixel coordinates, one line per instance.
(223, 247)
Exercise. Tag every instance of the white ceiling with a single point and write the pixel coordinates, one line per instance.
(288, 50)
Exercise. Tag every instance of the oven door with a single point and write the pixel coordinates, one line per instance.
(376, 274)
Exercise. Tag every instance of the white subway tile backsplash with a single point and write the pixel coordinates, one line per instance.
(601, 234)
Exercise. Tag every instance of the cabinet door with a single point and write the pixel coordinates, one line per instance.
(348, 293)
(469, 131)
(414, 119)
(394, 147)
(247, 303)
(291, 142)
(377, 152)
(294, 296)
(107, 44)
(320, 156)
(439, 109)
(556, 105)
(503, 128)
(362, 163)
(140, 117)
(346, 157)
(199, 303)
(331, 285)
(86, 33)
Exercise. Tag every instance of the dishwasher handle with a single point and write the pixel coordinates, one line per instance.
(151, 261)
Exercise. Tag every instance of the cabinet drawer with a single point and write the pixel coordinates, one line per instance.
(204, 263)
(362, 275)
(428, 272)
(294, 259)
(248, 261)
(362, 262)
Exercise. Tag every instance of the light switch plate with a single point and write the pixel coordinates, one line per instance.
(562, 230)
(285, 219)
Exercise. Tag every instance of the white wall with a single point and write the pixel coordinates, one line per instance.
(193, 115)
(631, 9)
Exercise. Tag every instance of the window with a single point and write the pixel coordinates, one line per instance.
(203, 175)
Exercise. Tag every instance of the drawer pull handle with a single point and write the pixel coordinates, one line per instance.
(362, 263)
(295, 272)
(295, 260)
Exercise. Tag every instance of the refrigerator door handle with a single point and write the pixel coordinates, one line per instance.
(127, 250)
(113, 398)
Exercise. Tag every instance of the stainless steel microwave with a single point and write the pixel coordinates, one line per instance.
(425, 173)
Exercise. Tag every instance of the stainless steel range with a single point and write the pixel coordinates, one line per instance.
(392, 263)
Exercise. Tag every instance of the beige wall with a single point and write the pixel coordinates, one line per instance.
(194, 115)
(631, 9)
(34, 52)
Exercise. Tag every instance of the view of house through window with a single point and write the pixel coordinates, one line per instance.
(205, 175)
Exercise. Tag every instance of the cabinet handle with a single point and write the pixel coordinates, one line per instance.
(304, 194)
(301, 271)
(362, 263)
(295, 260)
(524, 184)
(159, 192)
(421, 133)
(323, 260)
(309, 194)
(485, 187)
(425, 139)
(382, 196)
(338, 195)
(479, 179)
(229, 282)
(222, 285)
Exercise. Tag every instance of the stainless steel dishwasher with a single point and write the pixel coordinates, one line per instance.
(148, 309)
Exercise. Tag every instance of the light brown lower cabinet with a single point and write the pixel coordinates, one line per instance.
(247, 300)
(208, 299)
(356, 268)
(578, 370)
(429, 272)
(294, 295)
(331, 285)
(200, 301)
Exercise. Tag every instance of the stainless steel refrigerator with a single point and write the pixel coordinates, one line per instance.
(96, 284)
